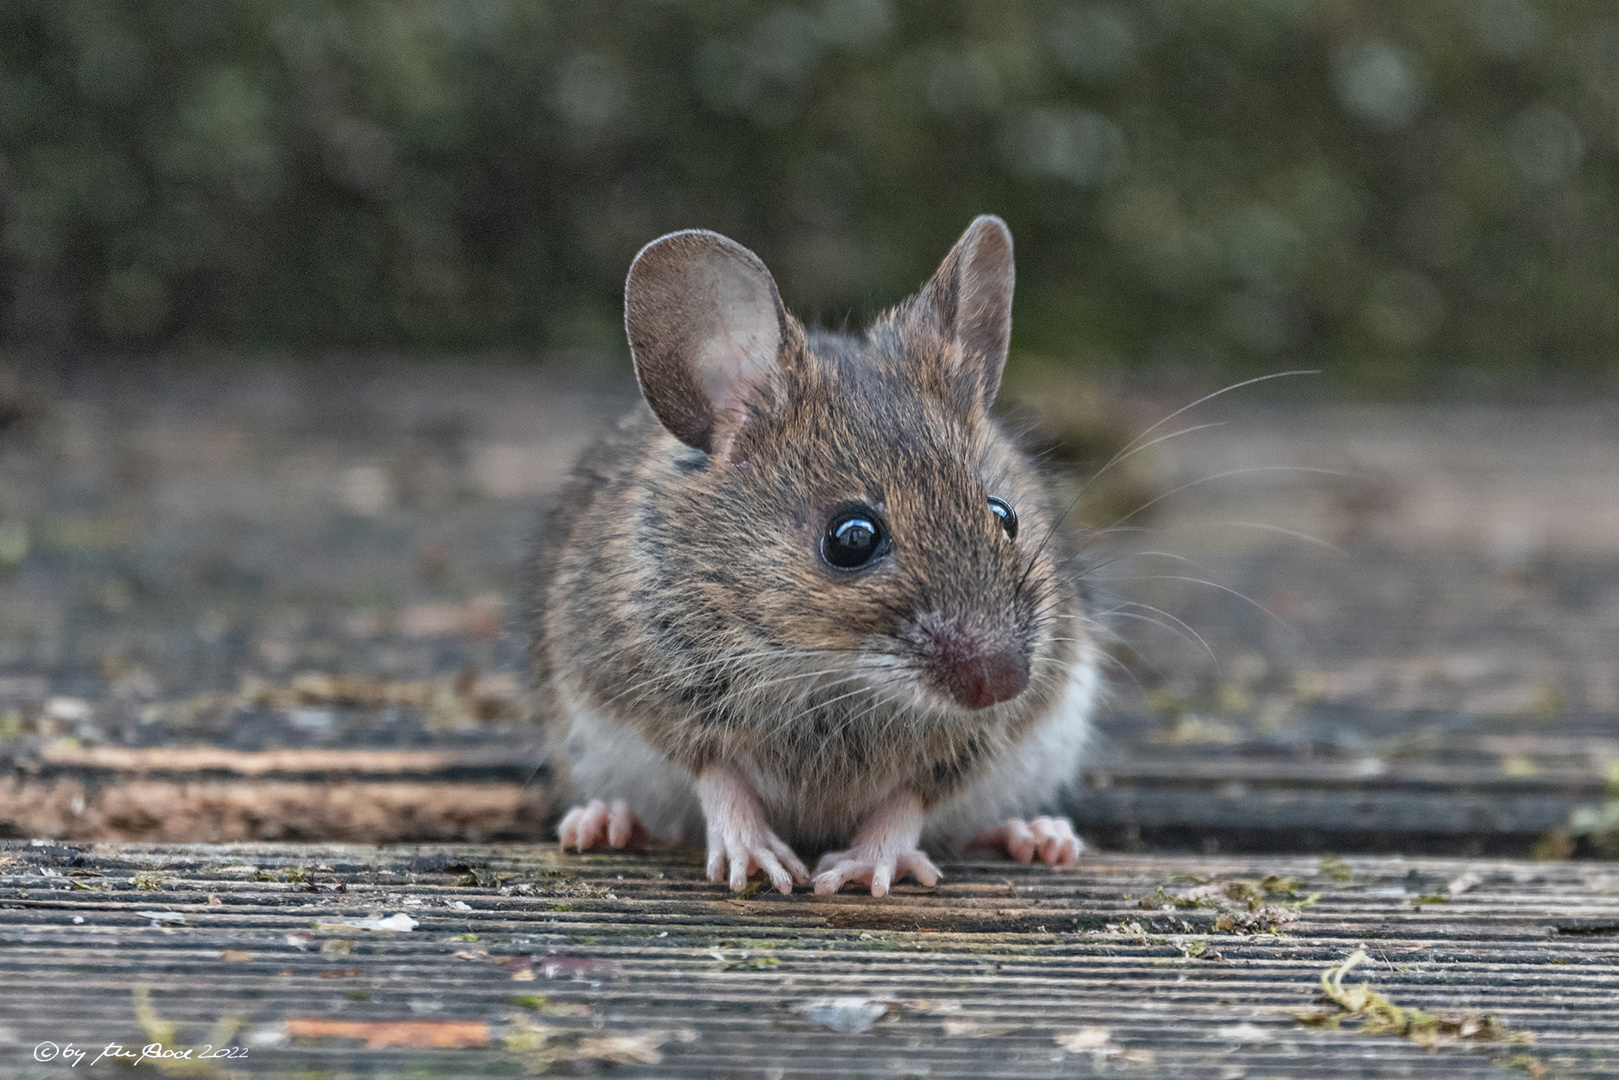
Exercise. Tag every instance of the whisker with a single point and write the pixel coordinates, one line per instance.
(1227, 589)
(1108, 658)
(1131, 450)
(756, 687)
(1178, 622)
(1134, 444)
(1129, 447)
(689, 668)
(1285, 532)
(1222, 476)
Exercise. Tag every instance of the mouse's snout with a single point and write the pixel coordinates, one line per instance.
(976, 667)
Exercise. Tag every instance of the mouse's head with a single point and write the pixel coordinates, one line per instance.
(847, 505)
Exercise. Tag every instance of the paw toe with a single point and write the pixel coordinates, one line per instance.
(1056, 840)
(597, 824)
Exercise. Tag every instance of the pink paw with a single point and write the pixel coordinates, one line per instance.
(739, 839)
(739, 846)
(597, 824)
(1051, 839)
(870, 865)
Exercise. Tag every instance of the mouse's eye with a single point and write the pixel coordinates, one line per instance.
(854, 537)
(1003, 510)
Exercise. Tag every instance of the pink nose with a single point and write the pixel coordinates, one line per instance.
(979, 674)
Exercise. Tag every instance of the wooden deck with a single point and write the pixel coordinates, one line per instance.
(334, 960)
(250, 615)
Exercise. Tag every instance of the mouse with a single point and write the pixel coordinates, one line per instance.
(809, 597)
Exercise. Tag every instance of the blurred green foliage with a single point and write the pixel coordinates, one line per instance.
(1375, 185)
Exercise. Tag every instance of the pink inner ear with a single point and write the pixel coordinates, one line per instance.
(705, 324)
(969, 299)
(984, 318)
(737, 354)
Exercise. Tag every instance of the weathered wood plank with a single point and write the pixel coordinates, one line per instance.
(1451, 801)
(521, 959)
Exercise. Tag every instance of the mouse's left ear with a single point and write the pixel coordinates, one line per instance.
(707, 329)
(969, 299)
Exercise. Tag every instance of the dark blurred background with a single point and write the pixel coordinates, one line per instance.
(1408, 195)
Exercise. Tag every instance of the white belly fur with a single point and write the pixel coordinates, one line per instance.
(1030, 780)
(609, 761)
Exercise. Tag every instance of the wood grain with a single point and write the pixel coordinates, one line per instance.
(634, 963)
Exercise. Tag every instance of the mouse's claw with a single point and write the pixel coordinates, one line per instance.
(599, 824)
(884, 849)
(739, 839)
(735, 853)
(874, 868)
(1050, 839)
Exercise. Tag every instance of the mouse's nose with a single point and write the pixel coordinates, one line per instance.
(979, 670)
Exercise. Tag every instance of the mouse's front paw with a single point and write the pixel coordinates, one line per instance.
(1050, 839)
(871, 865)
(597, 824)
(738, 847)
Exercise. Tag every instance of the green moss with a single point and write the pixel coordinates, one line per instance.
(1336, 869)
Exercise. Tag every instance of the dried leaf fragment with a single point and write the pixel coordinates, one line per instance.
(1375, 1014)
(377, 1034)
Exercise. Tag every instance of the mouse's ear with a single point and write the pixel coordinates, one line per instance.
(706, 327)
(969, 298)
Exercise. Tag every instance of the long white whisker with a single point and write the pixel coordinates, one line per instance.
(1285, 532)
(1131, 450)
(756, 687)
(1226, 589)
(1129, 447)
(1223, 476)
(687, 670)
(1176, 621)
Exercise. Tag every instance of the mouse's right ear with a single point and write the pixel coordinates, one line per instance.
(706, 328)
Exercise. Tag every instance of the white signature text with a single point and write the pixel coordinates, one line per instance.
(70, 1055)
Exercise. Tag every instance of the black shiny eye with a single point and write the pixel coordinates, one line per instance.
(854, 537)
(1003, 510)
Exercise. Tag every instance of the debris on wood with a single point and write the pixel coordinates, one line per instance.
(1336, 869)
(1243, 905)
(164, 918)
(378, 1034)
(397, 922)
(849, 1015)
(540, 1046)
(975, 1029)
(1374, 1014)
(1527, 934)
(1093, 1037)
(1198, 949)
(173, 1059)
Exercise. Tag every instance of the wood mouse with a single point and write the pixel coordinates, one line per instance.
(809, 596)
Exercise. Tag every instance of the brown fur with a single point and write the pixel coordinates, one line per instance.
(682, 596)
